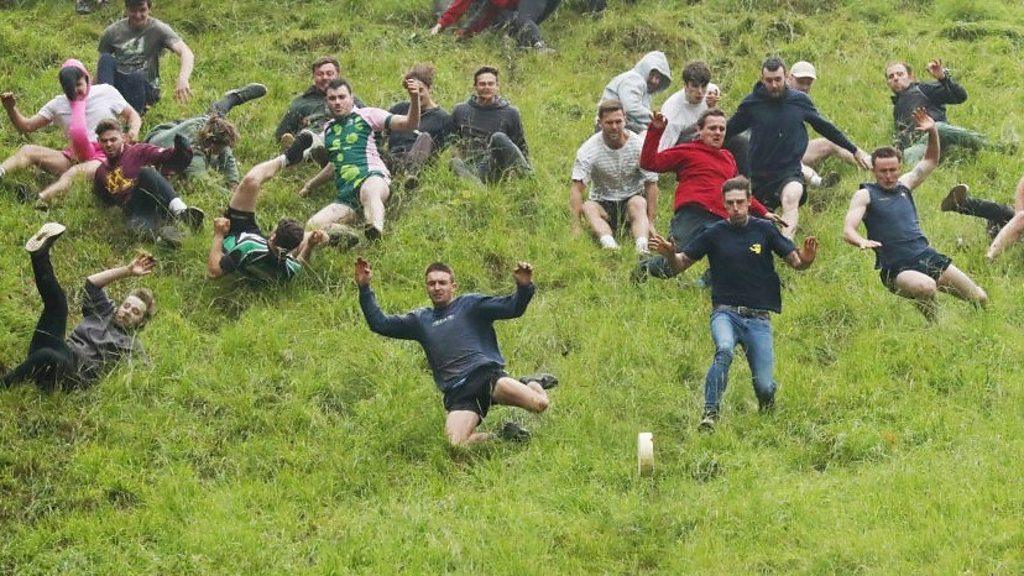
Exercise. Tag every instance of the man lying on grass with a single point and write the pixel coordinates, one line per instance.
(106, 334)
(458, 337)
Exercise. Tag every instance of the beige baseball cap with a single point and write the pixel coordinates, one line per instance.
(803, 69)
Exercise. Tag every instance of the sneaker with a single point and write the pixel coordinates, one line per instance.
(764, 406)
(546, 381)
(82, 7)
(829, 180)
(544, 49)
(250, 91)
(171, 236)
(372, 233)
(193, 218)
(286, 141)
(411, 182)
(513, 432)
(45, 238)
(955, 199)
(708, 421)
(341, 235)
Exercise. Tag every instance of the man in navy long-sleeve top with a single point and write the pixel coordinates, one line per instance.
(775, 115)
(458, 337)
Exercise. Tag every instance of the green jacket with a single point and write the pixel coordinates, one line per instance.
(225, 162)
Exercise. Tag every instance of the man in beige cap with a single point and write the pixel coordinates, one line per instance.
(801, 76)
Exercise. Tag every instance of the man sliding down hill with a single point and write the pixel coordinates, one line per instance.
(458, 337)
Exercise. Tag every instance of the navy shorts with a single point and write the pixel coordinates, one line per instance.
(930, 262)
(770, 193)
(475, 391)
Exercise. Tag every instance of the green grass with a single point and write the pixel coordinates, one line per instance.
(274, 433)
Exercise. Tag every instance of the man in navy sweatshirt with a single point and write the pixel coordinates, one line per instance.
(775, 115)
(458, 337)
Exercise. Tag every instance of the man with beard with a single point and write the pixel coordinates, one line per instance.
(775, 115)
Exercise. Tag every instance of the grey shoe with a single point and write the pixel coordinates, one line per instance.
(513, 432)
(233, 98)
(45, 237)
(82, 7)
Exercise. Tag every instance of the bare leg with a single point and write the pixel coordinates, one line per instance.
(821, 148)
(1007, 236)
(921, 289)
(248, 190)
(329, 216)
(460, 428)
(955, 282)
(791, 194)
(597, 218)
(63, 184)
(372, 195)
(53, 161)
(512, 392)
(639, 226)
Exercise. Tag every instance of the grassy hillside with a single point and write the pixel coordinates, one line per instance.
(273, 433)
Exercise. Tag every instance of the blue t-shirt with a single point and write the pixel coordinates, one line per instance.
(891, 219)
(742, 268)
(458, 338)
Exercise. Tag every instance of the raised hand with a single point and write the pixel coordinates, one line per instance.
(924, 121)
(363, 272)
(143, 264)
(523, 273)
(935, 69)
(661, 245)
(412, 86)
(658, 121)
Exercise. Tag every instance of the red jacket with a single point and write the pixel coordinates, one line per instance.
(459, 7)
(700, 172)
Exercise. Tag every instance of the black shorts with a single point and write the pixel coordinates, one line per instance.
(929, 262)
(769, 193)
(474, 394)
(617, 213)
(242, 222)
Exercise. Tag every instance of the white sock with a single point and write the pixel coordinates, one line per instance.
(177, 206)
(641, 245)
(815, 180)
(2, 171)
(607, 241)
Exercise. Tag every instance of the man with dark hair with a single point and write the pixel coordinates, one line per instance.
(683, 108)
(130, 56)
(106, 334)
(801, 78)
(457, 335)
(239, 246)
(775, 116)
(908, 95)
(1005, 223)
(635, 88)
(745, 290)
(621, 191)
(908, 265)
(362, 180)
(77, 111)
(489, 133)
(308, 112)
(702, 167)
(129, 177)
(409, 152)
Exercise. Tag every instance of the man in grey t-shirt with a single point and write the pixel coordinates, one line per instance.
(130, 56)
(609, 162)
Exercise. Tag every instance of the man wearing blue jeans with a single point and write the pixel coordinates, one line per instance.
(744, 291)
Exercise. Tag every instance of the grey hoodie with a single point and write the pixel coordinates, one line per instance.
(630, 88)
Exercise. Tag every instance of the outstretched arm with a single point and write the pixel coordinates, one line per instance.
(803, 258)
(142, 264)
(410, 121)
(403, 327)
(309, 241)
(315, 182)
(22, 124)
(678, 260)
(576, 193)
(927, 165)
(854, 216)
(668, 160)
(182, 90)
(513, 305)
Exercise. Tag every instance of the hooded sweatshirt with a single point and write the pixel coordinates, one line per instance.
(473, 124)
(101, 101)
(630, 88)
(778, 137)
(78, 130)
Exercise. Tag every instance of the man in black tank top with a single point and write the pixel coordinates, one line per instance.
(908, 265)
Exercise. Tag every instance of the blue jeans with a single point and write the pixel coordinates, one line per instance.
(133, 86)
(755, 334)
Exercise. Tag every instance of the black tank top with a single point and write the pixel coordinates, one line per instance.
(891, 219)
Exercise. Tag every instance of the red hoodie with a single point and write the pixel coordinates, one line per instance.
(700, 172)
(459, 7)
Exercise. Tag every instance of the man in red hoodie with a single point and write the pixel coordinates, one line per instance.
(702, 167)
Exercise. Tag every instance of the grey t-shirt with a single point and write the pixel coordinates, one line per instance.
(97, 342)
(138, 50)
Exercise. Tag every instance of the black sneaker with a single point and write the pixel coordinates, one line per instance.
(341, 235)
(513, 432)
(193, 218)
(708, 421)
(955, 199)
(45, 237)
(765, 406)
(372, 233)
(546, 381)
(233, 98)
